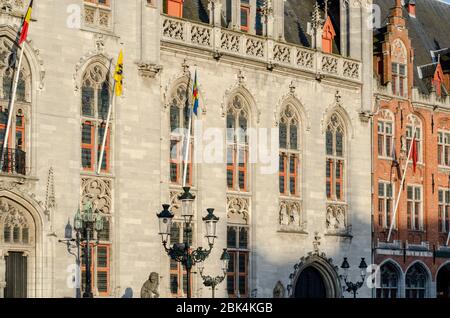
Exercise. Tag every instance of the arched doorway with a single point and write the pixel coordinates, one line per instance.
(443, 282)
(315, 276)
(310, 284)
(17, 248)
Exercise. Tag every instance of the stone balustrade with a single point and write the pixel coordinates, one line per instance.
(223, 41)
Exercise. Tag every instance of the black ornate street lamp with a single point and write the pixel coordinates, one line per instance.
(181, 252)
(212, 282)
(350, 286)
(85, 224)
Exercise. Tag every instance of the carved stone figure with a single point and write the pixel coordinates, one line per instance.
(283, 215)
(278, 291)
(150, 287)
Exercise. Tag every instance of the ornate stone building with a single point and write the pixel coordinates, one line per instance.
(411, 54)
(301, 70)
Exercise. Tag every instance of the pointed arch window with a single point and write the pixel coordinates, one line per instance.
(179, 124)
(389, 282)
(289, 142)
(385, 134)
(237, 144)
(15, 160)
(335, 159)
(414, 123)
(416, 281)
(98, 13)
(95, 102)
(399, 69)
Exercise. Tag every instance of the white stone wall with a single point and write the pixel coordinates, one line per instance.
(141, 152)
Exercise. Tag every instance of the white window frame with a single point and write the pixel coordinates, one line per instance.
(385, 199)
(384, 134)
(444, 143)
(413, 212)
(445, 203)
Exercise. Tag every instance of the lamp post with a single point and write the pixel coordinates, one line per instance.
(209, 281)
(181, 252)
(353, 287)
(85, 224)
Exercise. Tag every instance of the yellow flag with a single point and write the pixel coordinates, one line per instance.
(118, 75)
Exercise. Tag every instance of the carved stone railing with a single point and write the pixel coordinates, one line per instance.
(221, 41)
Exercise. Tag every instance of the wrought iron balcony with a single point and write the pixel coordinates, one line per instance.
(13, 161)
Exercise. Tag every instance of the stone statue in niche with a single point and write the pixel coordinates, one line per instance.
(150, 287)
(336, 218)
(284, 218)
(278, 291)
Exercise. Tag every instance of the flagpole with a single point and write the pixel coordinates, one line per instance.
(105, 134)
(401, 184)
(11, 107)
(187, 146)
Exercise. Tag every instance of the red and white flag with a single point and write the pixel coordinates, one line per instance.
(414, 154)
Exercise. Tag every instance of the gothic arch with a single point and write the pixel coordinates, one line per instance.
(327, 270)
(87, 61)
(13, 196)
(446, 263)
(337, 108)
(295, 102)
(399, 53)
(400, 273)
(174, 83)
(242, 91)
(427, 271)
(31, 56)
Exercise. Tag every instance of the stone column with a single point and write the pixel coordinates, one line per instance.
(2, 274)
(278, 13)
(215, 10)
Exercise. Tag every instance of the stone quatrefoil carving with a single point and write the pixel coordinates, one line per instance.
(97, 191)
(201, 35)
(173, 29)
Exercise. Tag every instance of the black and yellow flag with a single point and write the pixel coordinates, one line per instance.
(118, 75)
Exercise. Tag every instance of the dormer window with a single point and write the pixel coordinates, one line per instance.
(399, 69)
(173, 8)
(328, 36)
(245, 15)
(399, 83)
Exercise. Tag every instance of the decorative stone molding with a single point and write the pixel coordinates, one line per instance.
(50, 199)
(85, 60)
(266, 50)
(240, 87)
(336, 219)
(238, 209)
(290, 216)
(279, 291)
(291, 98)
(14, 217)
(148, 70)
(98, 192)
(323, 264)
(12, 7)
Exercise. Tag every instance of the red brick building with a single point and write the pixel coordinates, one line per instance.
(412, 77)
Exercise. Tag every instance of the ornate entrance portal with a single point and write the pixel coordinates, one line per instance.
(310, 284)
(17, 249)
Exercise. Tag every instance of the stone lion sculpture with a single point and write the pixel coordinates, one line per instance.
(150, 287)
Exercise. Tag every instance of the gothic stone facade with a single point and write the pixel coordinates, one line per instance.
(323, 214)
(411, 91)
